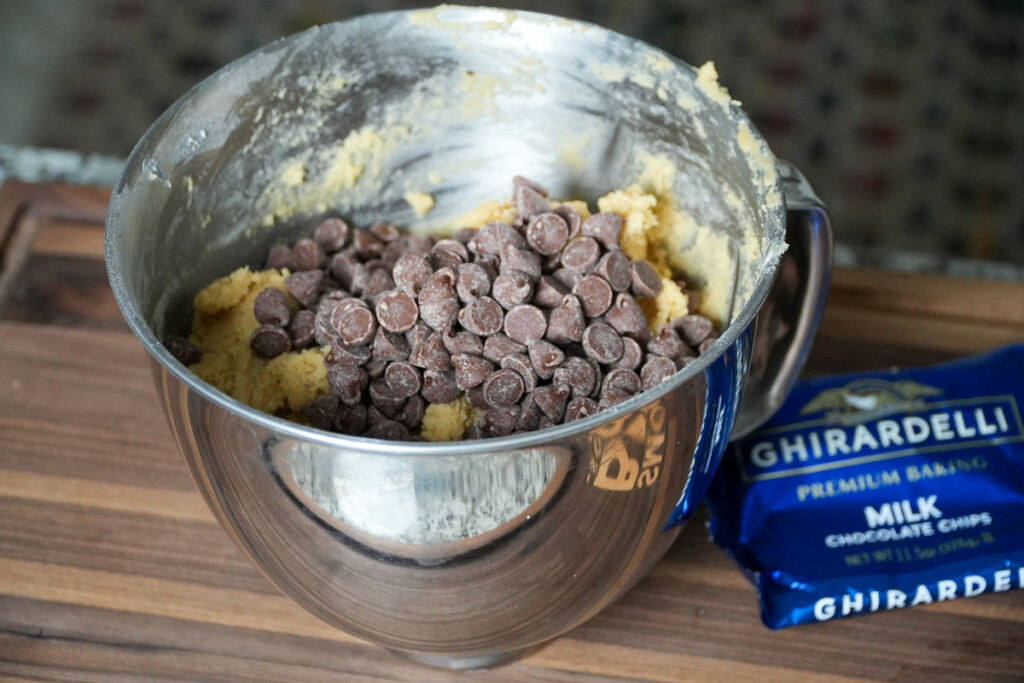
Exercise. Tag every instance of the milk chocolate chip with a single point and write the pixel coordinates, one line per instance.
(397, 311)
(182, 349)
(269, 341)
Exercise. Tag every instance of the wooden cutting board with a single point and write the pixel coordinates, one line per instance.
(112, 569)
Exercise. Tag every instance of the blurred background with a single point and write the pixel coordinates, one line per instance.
(907, 117)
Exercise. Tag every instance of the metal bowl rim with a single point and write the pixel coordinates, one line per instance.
(114, 235)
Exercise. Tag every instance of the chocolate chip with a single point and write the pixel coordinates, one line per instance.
(454, 246)
(323, 331)
(529, 202)
(301, 329)
(520, 181)
(391, 253)
(417, 244)
(512, 288)
(529, 415)
(516, 258)
(623, 380)
(440, 287)
(602, 343)
(497, 346)
(445, 258)
(501, 420)
(666, 343)
(616, 269)
(385, 232)
(567, 276)
(378, 284)
(549, 292)
(482, 316)
(470, 371)
(475, 397)
(388, 400)
(367, 245)
(348, 354)
(566, 323)
(305, 286)
(463, 342)
(632, 355)
(439, 386)
(547, 233)
(355, 324)
(431, 354)
(350, 419)
(440, 315)
(646, 281)
(182, 349)
(706, 345)
(476, 431)
(488, 263)
(605, 227)
(269, 341)
(692, 300)
(397, 311)
(693, 328)
(375, 368)
(520, 362)
(571, 217)
(413, 411)
(525, 323)
(472, 281)
(343, 268)
(360, 276)
(388, 430)
(308, 254)
(321, 412)
(655, 371)
(612, 397)
(438, 303)
(579, 375)
(281, 257)
(347, 382)
(464, 235)
(411, 273)
(374, 416)
(331, 234)
(581, 254)
(503, 388)
(418, 335)
(551, 400)
(595, 294)
(403, 378)
(389, 346)
(579, 408)
(545, 357)
(625, 315)
(493, 237)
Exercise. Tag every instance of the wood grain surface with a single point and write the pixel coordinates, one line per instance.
(112, 568)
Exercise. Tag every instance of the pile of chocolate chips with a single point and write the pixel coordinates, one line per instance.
(536, 322)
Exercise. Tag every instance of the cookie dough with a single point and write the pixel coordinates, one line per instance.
(222, 325)
(224, 318)
(421, 202)
(448, 421)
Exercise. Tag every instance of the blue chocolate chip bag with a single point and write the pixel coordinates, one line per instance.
(880, 490)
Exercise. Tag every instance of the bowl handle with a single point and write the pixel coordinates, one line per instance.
(789, 317)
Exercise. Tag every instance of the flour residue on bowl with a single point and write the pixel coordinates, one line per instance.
(318, 178)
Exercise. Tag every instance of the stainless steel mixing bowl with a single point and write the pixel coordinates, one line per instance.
(462, 555)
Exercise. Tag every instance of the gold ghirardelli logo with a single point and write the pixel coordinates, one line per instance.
(628, 453)
(864, 399)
